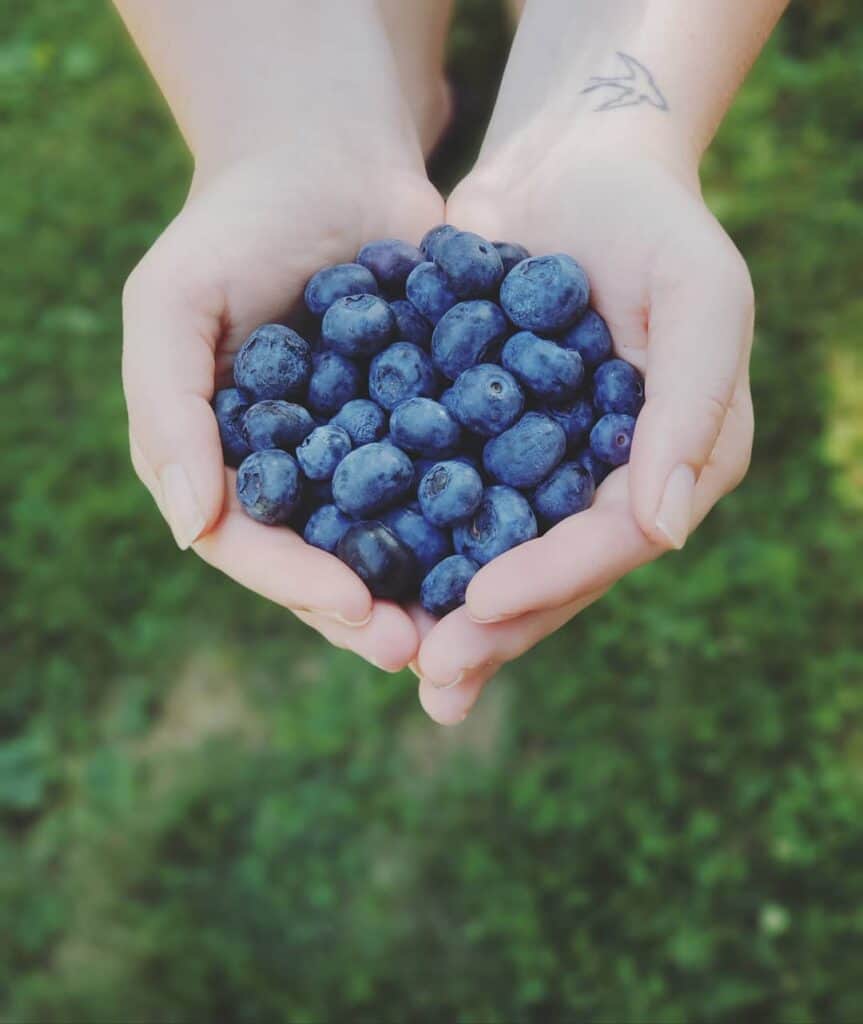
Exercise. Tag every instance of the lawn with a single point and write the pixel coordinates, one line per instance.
(207, 814)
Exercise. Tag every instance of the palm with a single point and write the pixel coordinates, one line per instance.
(650, 248)
(238, 255)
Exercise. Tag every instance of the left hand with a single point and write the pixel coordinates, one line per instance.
(678, 299)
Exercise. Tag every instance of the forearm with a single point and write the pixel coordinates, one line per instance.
(692, 56)
(242, 76)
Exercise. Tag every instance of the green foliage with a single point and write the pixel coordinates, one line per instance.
(209, 815)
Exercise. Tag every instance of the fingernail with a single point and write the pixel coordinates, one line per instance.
(335, 617)
(449, 685)
(184, 515)
(675, 509)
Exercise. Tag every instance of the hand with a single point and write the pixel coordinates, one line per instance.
(678, 299)
(238, 255)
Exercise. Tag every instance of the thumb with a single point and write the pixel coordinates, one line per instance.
(699, 332)
(170, 329)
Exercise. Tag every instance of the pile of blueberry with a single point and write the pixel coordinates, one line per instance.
(457, 399)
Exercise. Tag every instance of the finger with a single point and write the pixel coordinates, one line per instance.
(699, 335)
(452, 706)
(388, 640)
(584, 553)
(278, 564)
(458, 646)
(170, 329)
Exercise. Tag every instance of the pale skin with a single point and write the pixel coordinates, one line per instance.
(617, 188)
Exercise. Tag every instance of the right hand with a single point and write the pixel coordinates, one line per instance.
(238, 255)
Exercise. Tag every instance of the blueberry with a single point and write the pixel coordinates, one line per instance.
(611, 438)
(449, 492)
(466, 334)
(511, 254)
(335, 381)
(547, 371)
(429, 293)
(400, 372)
(429, 543)
(545, 293)
(568, 490)
(322, 451)
(472, 265)
(424, 427)
(443, 589)
(276, 425)
(576, 418)
(590, 338)
(318, 493)
(364, 420)
(487, 400)
(229, 404)
(336, 282)
(358, 326)
(526, 453)
(371, 479)
(503, 520)
(325, 527)
(410, 325)
(390, 260)
(379, 558)
(274, 362)
(598, 469)
(618, 387)
(268, 486)
(433, 237)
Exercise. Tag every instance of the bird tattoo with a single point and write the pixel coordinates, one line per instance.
(632, 89)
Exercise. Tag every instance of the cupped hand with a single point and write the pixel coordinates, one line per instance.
(239, 254)
(678, 299)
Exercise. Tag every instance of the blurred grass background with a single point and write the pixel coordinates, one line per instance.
(209, 815)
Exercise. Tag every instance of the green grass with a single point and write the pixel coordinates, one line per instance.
(207, 814)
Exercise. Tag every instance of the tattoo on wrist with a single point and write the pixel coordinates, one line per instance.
(634, 86)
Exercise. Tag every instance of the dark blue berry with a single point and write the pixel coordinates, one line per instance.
(449, 492)
(487, 400)
(336, 282)
(576, 418)
(268, 486)
(443, 589)
(276, 425)
(424, 427)
(618, 387)
(325, 527)
(364, 420)
(428, 542)
(229, 404)
(379, 558)
(322, 451)
(568, 490)
(546, 294)
(433, 237)
(590, 338)
(611, 438)
(400, 372)
(371, 479)
(598, 469)
(471, 264)
(526, 453)
(390, 260)
(358, 326)
(429, 292)
(548, 372)
(502, 520)
(410, 325)
(466, 335)
(274, 362)
(510, 254)
(335, 381)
